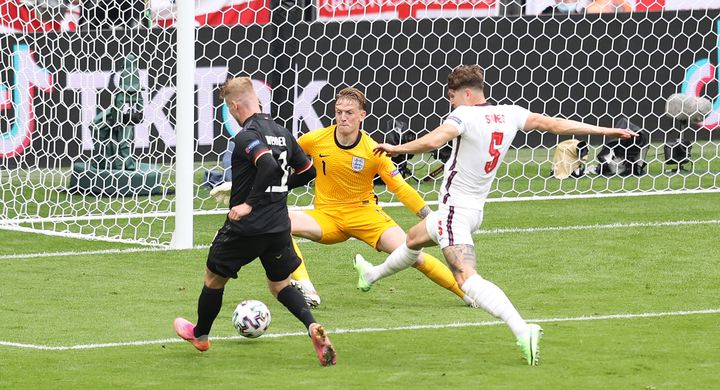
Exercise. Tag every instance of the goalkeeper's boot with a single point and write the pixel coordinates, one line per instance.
(530, 344)
(323, 347)
(362, 266)
(186, 330)
(308, 291)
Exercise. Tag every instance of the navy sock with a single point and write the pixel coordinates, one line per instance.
(209, 305)
(295, 303)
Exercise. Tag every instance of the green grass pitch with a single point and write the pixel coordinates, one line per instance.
(621, 304)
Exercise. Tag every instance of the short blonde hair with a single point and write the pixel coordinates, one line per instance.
(351, 93)
(237, 89)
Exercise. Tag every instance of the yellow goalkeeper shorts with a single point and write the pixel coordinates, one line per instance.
(363, 222)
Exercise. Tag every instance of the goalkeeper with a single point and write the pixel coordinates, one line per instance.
(345, 205)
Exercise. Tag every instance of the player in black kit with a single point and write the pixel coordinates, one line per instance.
(266, 163)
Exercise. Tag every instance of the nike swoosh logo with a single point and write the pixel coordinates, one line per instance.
(324, 155)
(278, 257)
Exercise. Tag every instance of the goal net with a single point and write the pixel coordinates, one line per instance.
(91, 107)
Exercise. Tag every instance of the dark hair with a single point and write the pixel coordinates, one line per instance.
(466, 76)
(351, 93)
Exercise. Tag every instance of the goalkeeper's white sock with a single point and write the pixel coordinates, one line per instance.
(401, 258)
(492, 299)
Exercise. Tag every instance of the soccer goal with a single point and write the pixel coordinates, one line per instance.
(119, 134)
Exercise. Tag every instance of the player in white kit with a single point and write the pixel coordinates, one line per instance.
(482, 134)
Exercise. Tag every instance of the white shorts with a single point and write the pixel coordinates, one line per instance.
(452, 225)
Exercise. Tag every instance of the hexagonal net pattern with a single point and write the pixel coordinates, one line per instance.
(77, 102)
(86, 148)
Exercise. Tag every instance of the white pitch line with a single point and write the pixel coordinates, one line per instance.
(79, 253)
(366, 330)
(603, 226)
(302, 240)
(4, 225)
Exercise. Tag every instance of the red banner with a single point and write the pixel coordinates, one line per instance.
(402, 9)
(15, 16)
(215, 12)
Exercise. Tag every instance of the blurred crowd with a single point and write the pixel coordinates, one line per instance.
(593, 7)
(69, 15)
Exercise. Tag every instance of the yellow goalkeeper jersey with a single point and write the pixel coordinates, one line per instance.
(345, 173)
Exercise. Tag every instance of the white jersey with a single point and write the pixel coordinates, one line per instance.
(486, 132)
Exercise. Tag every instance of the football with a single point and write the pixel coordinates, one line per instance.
(251, 318)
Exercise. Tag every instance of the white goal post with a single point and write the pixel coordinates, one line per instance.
(119, 134)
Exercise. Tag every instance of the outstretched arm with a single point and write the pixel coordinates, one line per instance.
(395, 182)
(302, 176)
(569, 127)
(430, 141)
(407, 195)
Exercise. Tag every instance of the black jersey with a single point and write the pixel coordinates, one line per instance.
(260, 136)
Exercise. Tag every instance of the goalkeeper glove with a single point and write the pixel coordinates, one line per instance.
(221, 193)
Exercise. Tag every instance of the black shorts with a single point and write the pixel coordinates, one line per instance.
(230, 251)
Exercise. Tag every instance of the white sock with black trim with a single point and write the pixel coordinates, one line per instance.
(492, 299)
(401, 258)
